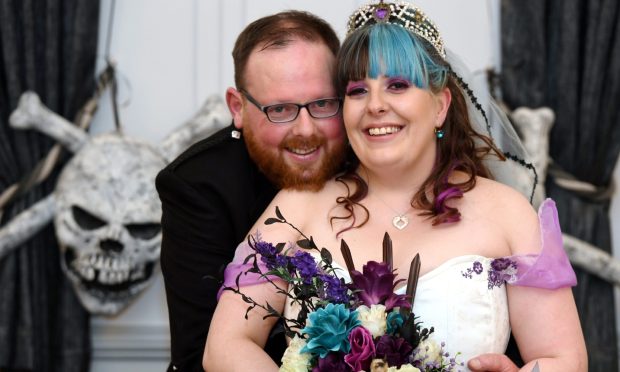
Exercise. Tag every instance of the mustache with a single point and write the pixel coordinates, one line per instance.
(303, 142)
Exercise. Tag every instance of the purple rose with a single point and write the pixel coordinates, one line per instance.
(362, 349)
(394, 350)
(376, 286)
(333, 362)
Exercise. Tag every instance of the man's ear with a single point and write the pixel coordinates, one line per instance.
(234, 101)
(443, 99)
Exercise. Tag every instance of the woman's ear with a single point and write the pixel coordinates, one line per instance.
(234, 101)
(443, 99)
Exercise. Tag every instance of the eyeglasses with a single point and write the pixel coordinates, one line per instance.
(287, 112)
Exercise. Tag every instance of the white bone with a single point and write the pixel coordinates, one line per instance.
(212, 116)
(32, 114)
(534, 126)
(592, 259)
(26, 224)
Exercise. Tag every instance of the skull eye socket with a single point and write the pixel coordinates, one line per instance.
(85, 219)
(144, 231)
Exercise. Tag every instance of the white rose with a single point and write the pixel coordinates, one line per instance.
(293, 360)
(428, 352)
(373, 319)
(404, 368)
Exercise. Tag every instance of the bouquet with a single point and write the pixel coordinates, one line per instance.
(358, 326)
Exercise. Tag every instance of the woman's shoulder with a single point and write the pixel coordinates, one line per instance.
(294, 204)
(511, 210)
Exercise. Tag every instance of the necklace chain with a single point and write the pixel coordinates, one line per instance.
(400, 221)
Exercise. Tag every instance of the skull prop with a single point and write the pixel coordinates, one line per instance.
(105, 207)
(107, 220)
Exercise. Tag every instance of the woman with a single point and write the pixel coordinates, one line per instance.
(418, 173)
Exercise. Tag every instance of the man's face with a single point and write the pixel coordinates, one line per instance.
(303, 153)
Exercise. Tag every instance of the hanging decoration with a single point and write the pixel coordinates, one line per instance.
(105, 207)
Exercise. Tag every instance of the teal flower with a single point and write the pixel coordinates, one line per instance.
(394, 322)
(328, 330)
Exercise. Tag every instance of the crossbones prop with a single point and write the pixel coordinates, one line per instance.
(105, 207)
(534, 125)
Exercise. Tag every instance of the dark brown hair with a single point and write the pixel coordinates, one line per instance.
(278, 30)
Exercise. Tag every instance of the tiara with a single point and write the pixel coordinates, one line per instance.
(402, 14)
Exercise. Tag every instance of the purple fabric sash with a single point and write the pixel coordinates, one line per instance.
(551, 268)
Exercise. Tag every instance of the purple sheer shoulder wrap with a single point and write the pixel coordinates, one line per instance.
(551, 268)
(237, 266)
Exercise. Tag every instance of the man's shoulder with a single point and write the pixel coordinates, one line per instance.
(213, 150)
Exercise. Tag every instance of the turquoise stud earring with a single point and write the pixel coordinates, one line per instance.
(439, 133)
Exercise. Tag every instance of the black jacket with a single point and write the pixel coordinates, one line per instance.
(211, 196)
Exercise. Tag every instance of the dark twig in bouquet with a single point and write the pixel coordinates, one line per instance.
(308, 286)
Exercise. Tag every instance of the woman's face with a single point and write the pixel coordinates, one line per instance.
(390, 122)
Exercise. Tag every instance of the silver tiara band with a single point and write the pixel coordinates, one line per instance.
(402, 14)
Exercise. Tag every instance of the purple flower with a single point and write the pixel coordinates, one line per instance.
(269, 255)
(333, 362)
(477, 267)
(306, 266)
(376, 286)
(334, 290)
(500, 264)
(501, 270)
(395, 350)
(494, 279)
(265, 249)
(362, 349)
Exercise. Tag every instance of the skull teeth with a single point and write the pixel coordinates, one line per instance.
(106, 270)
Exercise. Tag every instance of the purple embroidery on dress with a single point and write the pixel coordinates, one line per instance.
(501, 270)
(476, 269)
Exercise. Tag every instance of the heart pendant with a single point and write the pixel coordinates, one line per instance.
(400, 222)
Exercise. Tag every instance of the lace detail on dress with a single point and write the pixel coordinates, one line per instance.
(501, 270)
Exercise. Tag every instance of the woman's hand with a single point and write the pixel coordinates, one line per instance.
(492, 363)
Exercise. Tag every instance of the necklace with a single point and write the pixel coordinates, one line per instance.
(400, 221)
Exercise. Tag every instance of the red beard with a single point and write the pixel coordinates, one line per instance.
(296, 177)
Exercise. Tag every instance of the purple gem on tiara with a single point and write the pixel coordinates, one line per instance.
(381, 13)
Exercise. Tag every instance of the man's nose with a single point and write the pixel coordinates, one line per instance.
(304, 125)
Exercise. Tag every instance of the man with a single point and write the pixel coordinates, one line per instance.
(213, 193)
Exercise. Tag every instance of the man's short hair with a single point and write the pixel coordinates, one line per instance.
(277, 31)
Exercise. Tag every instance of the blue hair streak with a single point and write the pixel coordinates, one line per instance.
(390, 50)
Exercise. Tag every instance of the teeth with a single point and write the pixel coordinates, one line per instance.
(111, 270)
(302, 151)
(382, 131)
